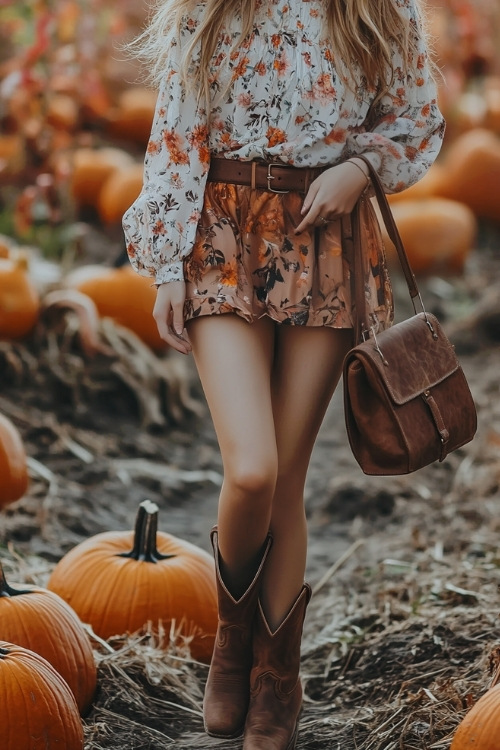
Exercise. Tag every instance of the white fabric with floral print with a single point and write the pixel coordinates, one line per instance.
(288, 100)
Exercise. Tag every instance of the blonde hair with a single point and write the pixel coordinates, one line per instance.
(364, 34)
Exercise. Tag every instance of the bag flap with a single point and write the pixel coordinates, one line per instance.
(409, 357)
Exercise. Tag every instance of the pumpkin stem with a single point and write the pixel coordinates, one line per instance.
(146, 528)
(152, 554)
(5, 589)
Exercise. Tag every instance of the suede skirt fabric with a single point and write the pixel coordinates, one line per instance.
(248, 260)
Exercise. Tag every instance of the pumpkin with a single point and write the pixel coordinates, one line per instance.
(62, 111)
(118, 193)
(472, 173)
(12, 153)
(132, 118)
(13, 469)
(121, 294)
(90, 170)
(38, 708)
(437, 234)
(19, 300)
(39, 620)
(119, 581)
(480, 729)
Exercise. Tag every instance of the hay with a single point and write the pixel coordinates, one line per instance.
(114, 365)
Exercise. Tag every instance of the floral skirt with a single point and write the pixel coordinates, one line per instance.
(248, 260)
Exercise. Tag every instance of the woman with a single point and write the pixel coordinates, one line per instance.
(267, 110)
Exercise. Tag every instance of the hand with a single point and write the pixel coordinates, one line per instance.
(169, 315)
(333, 194)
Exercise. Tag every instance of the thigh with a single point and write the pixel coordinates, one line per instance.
(307, 368)
(234, 360)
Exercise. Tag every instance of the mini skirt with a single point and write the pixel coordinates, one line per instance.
(248, 260)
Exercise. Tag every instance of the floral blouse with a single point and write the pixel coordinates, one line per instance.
(288, 100)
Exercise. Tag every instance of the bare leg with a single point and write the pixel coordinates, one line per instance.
(308, 364)
(234, 361)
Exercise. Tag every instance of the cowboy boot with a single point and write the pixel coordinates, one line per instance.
(227, 691)
(275, 687)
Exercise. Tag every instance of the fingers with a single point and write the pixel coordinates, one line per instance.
(168, 313)
(309, 220)
(178, 342)
(315, 210)
(331, 195)
(315, 217)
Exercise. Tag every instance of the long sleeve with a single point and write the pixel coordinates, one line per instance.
(404, 132)
(160, 225)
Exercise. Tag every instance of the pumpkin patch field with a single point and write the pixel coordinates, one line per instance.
(109, 467)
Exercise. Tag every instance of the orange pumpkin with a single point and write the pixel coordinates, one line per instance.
(62, 111)
(480, 729)
(12, 152)
(90, 170)
(437, 234)
(472, 173)
(119, 192)
(38, 708)
(19, 300)
(13, 468)
(121, 294)
(38, 619)
(118, 581)
(133, 116)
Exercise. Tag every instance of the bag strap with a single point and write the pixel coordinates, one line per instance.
(352, 237)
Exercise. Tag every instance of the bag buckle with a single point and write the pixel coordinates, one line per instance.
(271, 177)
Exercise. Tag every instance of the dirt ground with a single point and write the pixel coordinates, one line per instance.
(402, 631)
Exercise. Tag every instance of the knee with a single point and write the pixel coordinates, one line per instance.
(253, 482)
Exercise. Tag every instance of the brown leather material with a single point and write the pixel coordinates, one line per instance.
(275, 686)
(227, 691)
(272, 176)
(406, 399)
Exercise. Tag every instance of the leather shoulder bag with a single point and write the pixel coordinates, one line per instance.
(406, 400)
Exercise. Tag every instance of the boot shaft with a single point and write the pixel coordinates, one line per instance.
(275, 687)
(233, 609)
(278, 653)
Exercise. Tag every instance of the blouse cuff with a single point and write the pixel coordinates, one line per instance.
(172, 272)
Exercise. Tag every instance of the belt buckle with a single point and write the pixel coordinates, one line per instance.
(270, 177)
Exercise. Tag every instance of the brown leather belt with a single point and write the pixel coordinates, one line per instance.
(272, 176)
